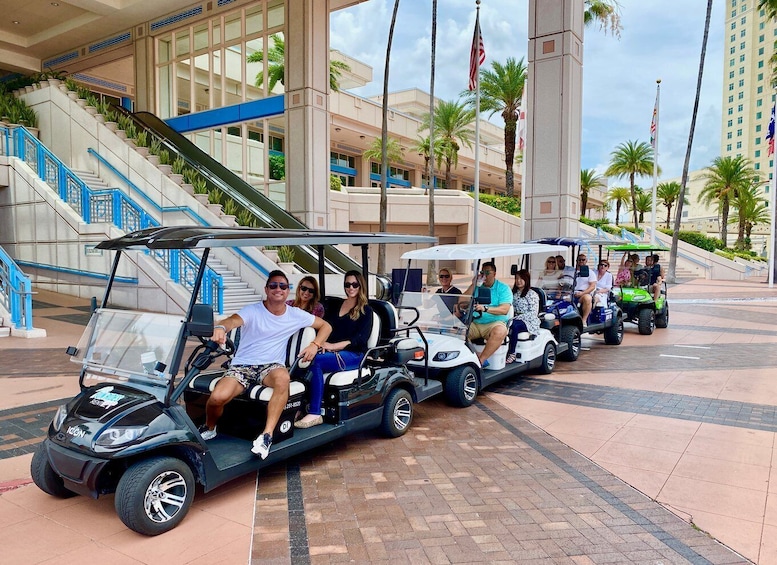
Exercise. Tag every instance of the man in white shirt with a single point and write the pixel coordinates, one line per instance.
(584, 288)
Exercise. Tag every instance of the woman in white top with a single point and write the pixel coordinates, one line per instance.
(604, 283)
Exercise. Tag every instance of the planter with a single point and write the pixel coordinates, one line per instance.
(43, 84)
(90, 110)
(166, 169)
(63, 88)
(72, 95)
(228, 219)
(215, 208)
(121, 133)
(100, 118)
(81, 102)
(202, 199)
(153, 159)
(287, 268)
(28, 89)
(34, 131)
(55, 82)
(130, 142)
(178, 179)
(142, 151)
(187, 188)
(113, 126)
(271, 254)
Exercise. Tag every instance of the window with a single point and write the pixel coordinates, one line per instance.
(743, 21)
(728, 147)
(742, 33)
(759, 103)
(733, 25)
(742, 58)
(759, 90)
(741, 70)
(739, 133)
(758, 141)
(742, 46)
(757, 153)
(758, 115)
(731, 63)
(739, 120)
(731, 74)
(730, 123)
(733, 13)
(741, 82)
(731, 51)
(760, 51)
(276, 143)
(729, 135)
(739, 145)
(758, 127)
(730, 111)
(758, 166)
(761, 37)
(342, 160)
(740, 96)
(760, 64)
(731, 86)
(739, 107)
(730, 99)
(733, 38)
(760, 76)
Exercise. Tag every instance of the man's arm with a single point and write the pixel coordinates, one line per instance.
(225, 326)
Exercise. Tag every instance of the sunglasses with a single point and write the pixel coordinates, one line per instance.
(306, 289)
(274, 285)
(581, 259)
(445, 276)
(486, 272)
(351, 285)
(550, 263)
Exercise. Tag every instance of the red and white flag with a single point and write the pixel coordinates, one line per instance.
(477, 55)
(654, 125)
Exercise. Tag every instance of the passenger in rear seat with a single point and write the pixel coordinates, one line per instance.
(347, 344)
(308, 297)
(267, 326)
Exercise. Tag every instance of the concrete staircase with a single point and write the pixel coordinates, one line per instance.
(237, 292)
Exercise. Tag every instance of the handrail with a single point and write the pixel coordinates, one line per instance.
(185, 209)
(15, 292)
(115, 207)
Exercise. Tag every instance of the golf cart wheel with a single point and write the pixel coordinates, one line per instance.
(571, 336)
(461, 387)
(44, 476)
(646, 321)
(662, 318)
(154, 495)
(397, 413)
(548, 359)
(614, 334)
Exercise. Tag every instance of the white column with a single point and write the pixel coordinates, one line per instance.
(554, 118)
(307, 111)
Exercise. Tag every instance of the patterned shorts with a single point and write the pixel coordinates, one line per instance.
(250, 375)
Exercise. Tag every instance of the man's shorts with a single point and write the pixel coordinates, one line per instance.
(483, 330)
(250, 375)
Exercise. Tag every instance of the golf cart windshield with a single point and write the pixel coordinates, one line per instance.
(435, 312)
(122, 345)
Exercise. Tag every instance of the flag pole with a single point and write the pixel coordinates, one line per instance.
(772, 203)
(477, 124)
(655, 164)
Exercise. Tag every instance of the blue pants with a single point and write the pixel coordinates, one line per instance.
(328, 363)
(516, 327)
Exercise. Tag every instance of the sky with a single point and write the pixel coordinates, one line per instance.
(661, 39)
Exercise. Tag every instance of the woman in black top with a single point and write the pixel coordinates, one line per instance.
(347, 344)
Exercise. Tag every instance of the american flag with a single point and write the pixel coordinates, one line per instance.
(770, 135)
(477, 55)
(654, 125)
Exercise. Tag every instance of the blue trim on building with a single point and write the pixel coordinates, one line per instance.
(254, 110)
(391, 181)
(100, 82)
(340, 170)
(61, 59)
(176, 18)
(110, 42)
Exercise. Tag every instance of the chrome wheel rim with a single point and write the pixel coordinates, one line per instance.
(403, 412)
(165, 496)
(470, 385)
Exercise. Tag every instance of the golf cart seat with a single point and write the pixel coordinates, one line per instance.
(547, 319)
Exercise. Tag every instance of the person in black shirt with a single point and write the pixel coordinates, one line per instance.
(346, 345)
(447, 288)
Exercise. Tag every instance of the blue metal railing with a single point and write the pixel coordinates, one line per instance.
(111, 206)
(15, 292)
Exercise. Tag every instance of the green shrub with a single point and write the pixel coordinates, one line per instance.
(286, 254)
(698, 239)
(189, 175)
(199, 186)
(246, 218)
(142, 139)
(164, 158)
(509, 205)
(215, 196)
(179, 165)
(335, 183)
(231, 207)
(277, 167)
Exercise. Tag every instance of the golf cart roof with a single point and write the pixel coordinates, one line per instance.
(472, 251)
(638, 247)
(578, 241)
(198, 237)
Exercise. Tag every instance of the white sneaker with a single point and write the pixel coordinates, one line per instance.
(262, 445)
(207, 434)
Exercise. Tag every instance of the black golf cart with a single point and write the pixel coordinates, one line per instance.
(568, 326)
(132, 429)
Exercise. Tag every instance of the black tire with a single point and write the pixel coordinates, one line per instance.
(154, 495)
(646, 321)
(662, 318)
(614, 334)
(461, 386)
(397, 413)
(44, 476)
(571, 336)
(548, 359)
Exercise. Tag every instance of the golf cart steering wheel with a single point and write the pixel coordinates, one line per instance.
(227, 349)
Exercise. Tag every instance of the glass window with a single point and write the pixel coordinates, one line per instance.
(182, 44)
(758, 127)
(730, 123)
(759, 102)
(728, 147)
(275, 15)
(739, 120)
(740, 96)
(760, 76)
(730, 99)
(731, 74)
(729, 135)
(254, 68)
(739, 108)
(742, 58)
(760, 64)
(760, 51)
(201, 37)
(757, 153)
(742, 45)
(739, 145)
(758, 115)
(232, 27)
(731, 86)
(743, 21)
(164, 50)
(732, 50)
(254, 21)
(739, 133)
(730, 111)
(759, 90)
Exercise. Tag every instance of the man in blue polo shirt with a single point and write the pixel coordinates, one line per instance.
(492, 323)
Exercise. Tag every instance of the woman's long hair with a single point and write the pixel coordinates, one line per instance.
(316, 294)
(361, 298)
(526, 276)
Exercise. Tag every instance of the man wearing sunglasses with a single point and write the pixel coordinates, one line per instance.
(492, 323)
(267, 326)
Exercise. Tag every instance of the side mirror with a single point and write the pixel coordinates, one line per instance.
(483, 295)
(201, 324)
(514, 270)
(584, 272)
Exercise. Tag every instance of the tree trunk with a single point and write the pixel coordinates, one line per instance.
(681, 199)
(634, 211)
(384, 145)
(510, 126)
(584, 203)
(617, 212)
(668, 215)
(724, 221)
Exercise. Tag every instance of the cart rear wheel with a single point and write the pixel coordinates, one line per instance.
(548, 359)
(154, 495)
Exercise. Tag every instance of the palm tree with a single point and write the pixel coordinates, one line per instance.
(501, 89)
(644, 203)
(770, 6)
(668, 193)
(588, 180)
(631, 159)
(604, 12)
(751, 207)
(679, 213)
(394, 152)
(620, 196)
(724, 178)
(451, 125)
(422, 148)
(276, 65)
(384, 158)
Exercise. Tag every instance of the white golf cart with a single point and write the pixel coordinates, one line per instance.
(437, 323)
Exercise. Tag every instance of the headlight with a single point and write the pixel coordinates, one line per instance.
(446, 356)
(113, 437)
(59, 417)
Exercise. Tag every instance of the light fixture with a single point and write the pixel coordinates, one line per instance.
(361, 137)
(55, 4)
(337, 129)
(15, 22)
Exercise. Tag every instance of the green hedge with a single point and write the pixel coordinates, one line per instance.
(732, 254)
(603, 225)
(699, 240)
(507, 204)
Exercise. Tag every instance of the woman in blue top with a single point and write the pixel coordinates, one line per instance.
(346, 345)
